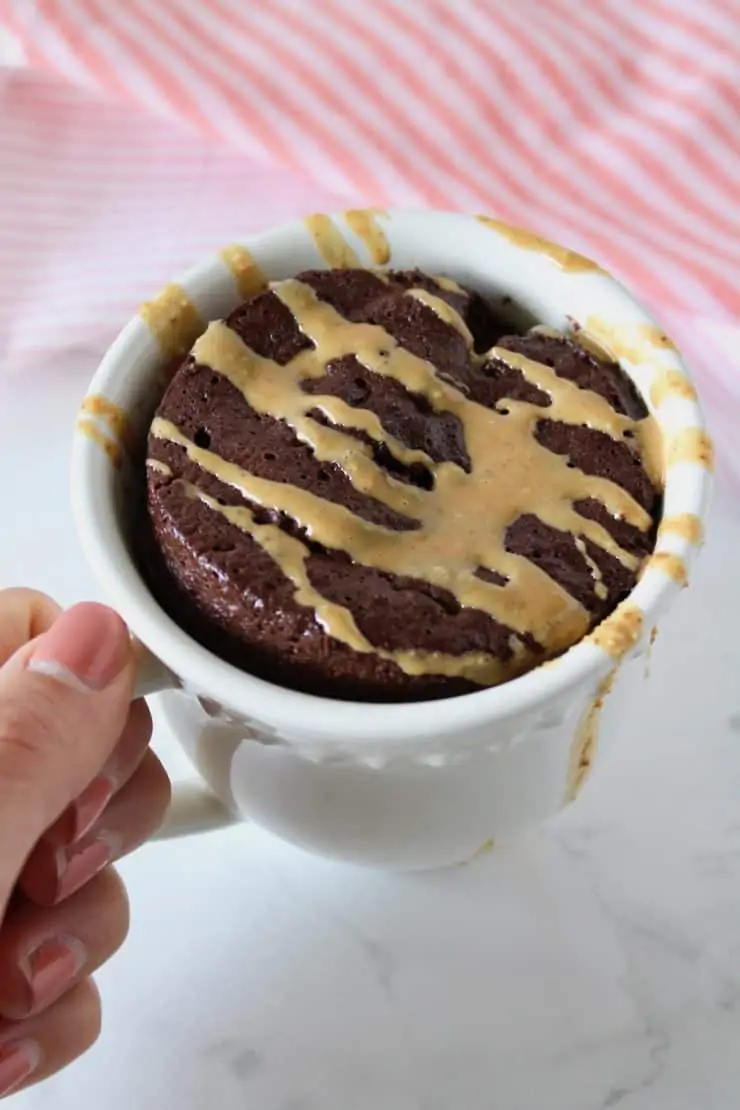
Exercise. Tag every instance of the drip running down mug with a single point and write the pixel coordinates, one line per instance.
(415, 785)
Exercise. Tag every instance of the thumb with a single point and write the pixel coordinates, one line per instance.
(64, 699)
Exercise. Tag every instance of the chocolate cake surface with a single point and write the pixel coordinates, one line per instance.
(360, 486)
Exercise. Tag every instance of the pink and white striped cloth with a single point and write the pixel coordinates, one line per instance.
(135, 136)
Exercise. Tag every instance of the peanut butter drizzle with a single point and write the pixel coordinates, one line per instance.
(114, 434)
(448, 284)
(93, 432)
(291, 555)
(160, 467)
(611, 346)
(671, 385)
(247, 274)
(686, 525)
(692, 445)
(649, 650)
(445, 312)
(599, 588)
(173, 320)
(652, 447)
(620, 631)
(633, 342)
(670, 564)
(363, 222)
(583, 749)
(109, 413)
(331, 245)
(462, 520)
(563, 257)
(583, 339)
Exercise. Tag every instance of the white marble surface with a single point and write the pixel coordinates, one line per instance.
(594, 964)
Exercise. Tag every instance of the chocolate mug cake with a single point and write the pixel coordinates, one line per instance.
(362, 486)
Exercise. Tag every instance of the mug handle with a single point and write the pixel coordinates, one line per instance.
(194, 807)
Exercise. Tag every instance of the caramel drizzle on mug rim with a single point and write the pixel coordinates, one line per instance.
(364, 224)
(563, 257)
(583, 748)
(461, 521)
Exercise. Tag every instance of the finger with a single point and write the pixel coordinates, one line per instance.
(53, 872)
(25, 615)
(127, 755)
(64, 700)
(45, 952)
(37, 1048)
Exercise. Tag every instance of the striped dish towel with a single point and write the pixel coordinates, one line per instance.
(135, 136)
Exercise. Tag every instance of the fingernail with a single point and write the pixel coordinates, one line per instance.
(78, 864)
(89, 805)
(86, 647)
(17, 1062)
(51, 968)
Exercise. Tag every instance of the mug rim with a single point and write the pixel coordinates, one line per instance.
(302, 715)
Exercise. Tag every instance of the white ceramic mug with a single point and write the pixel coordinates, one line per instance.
(420, 784)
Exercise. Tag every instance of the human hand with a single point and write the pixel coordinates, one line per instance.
(78, 789)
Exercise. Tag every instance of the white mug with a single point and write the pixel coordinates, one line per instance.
(422, 784)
